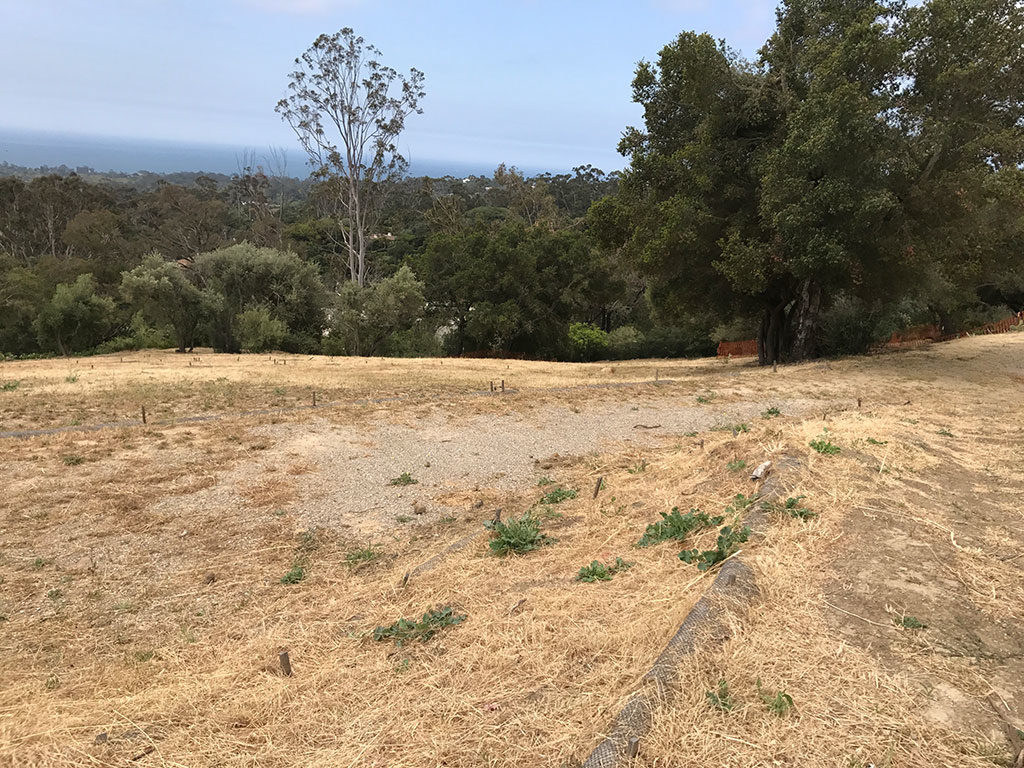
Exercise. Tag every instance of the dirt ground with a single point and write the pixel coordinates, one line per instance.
(142, 607)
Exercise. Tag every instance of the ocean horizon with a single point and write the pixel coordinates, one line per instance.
(35, 149)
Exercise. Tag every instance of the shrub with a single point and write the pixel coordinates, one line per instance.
(824, 446)
(518, 536)
(587, 342)
(780, 703)
(404, 479)
(728, 540)
(720, 699)
(258, 330)
(625, 343)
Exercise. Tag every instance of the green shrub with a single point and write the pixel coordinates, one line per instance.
(403, 479)
(720, 699)
(516, 537)
(677, 526)
(598, 571)
(9, 386)
(780, 703)
(587, 342)
(791, 507)
(295, 575)
(824, 446)
(771, 413)
(258, 330)
(625, 343)
(406, 630)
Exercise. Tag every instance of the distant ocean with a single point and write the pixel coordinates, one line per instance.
(34, 149)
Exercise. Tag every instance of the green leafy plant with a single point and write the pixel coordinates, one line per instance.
(295, 575)
(791, 507)
(9, 386)
(737, 465)
(705, 399)
(404, 479)
(872, 441)
(407, 630)
(720, 698)
(545, 481)
(55, 594)
(780, 704)
(403, 519)
(677, 526)
(558, 495)
(598, 571)
(771, 413)
(728, 541)
(638, 468)
(824, 446)
(72, 460)
(518, 536)
(689, 434)
(734, 428)
(361, 555)
(910, 622)
(945, 433)
(71, 378)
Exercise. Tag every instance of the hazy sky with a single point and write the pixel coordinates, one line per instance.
(529, 82)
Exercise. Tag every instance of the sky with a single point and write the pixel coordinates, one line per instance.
(532, 83)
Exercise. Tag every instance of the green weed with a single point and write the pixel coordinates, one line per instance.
(736, 466)
(945, 433)
(9, 386)
(361, 555)
(295, 575)
(734, 428)
(518, 536)
(728, 541)
(910, 622)
(780, 704)
(406, 630)
(558, 495)
(824, 446)
(73, 460)
(872, 441)
(705, 399)
(638, 468)
(545, 481)
(55, 594)
(403, 519)
(771, 413)
(791, 507)
(71, 378)
(404, 479)
(689, 434)
(677, 526)
(39, 563)
(720, 698)
(598, 571)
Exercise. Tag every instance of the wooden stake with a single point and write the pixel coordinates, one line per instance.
(858, 402)
(597, 487)
(286, 663)
(633, 748)
(492, 386)
(143, 414)
(502, 385)
(314, 399)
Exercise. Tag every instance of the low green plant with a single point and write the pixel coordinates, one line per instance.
(729, 539)
(361, 555)
(516, 537)
(720, 698)
(638, 468)
(9, 386)
(71, 378)
(872, 441)
(677, 526)
(734, 428)
(407, 630)
(55, 594)
(558, 495)
(705, 399)
(404, 479)
(945, 433)
(598, 571)
(910, 622)
(545, 481)
(780, 704)
(791, 507)
(689, 434)
(403, 519)
(72, 460)
(737, 465)
(824, 446)
(39, 563)
(771, 413)
(295, 575)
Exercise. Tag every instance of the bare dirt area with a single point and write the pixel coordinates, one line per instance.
(151, 575)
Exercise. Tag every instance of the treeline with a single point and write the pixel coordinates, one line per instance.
(500, 265)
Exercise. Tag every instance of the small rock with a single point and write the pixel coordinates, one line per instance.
(210, 578)
(101, 738)
(478, 503)
(419, 508)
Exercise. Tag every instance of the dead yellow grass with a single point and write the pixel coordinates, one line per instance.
(162, 633)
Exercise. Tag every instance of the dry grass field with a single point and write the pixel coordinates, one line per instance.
(150, 575)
